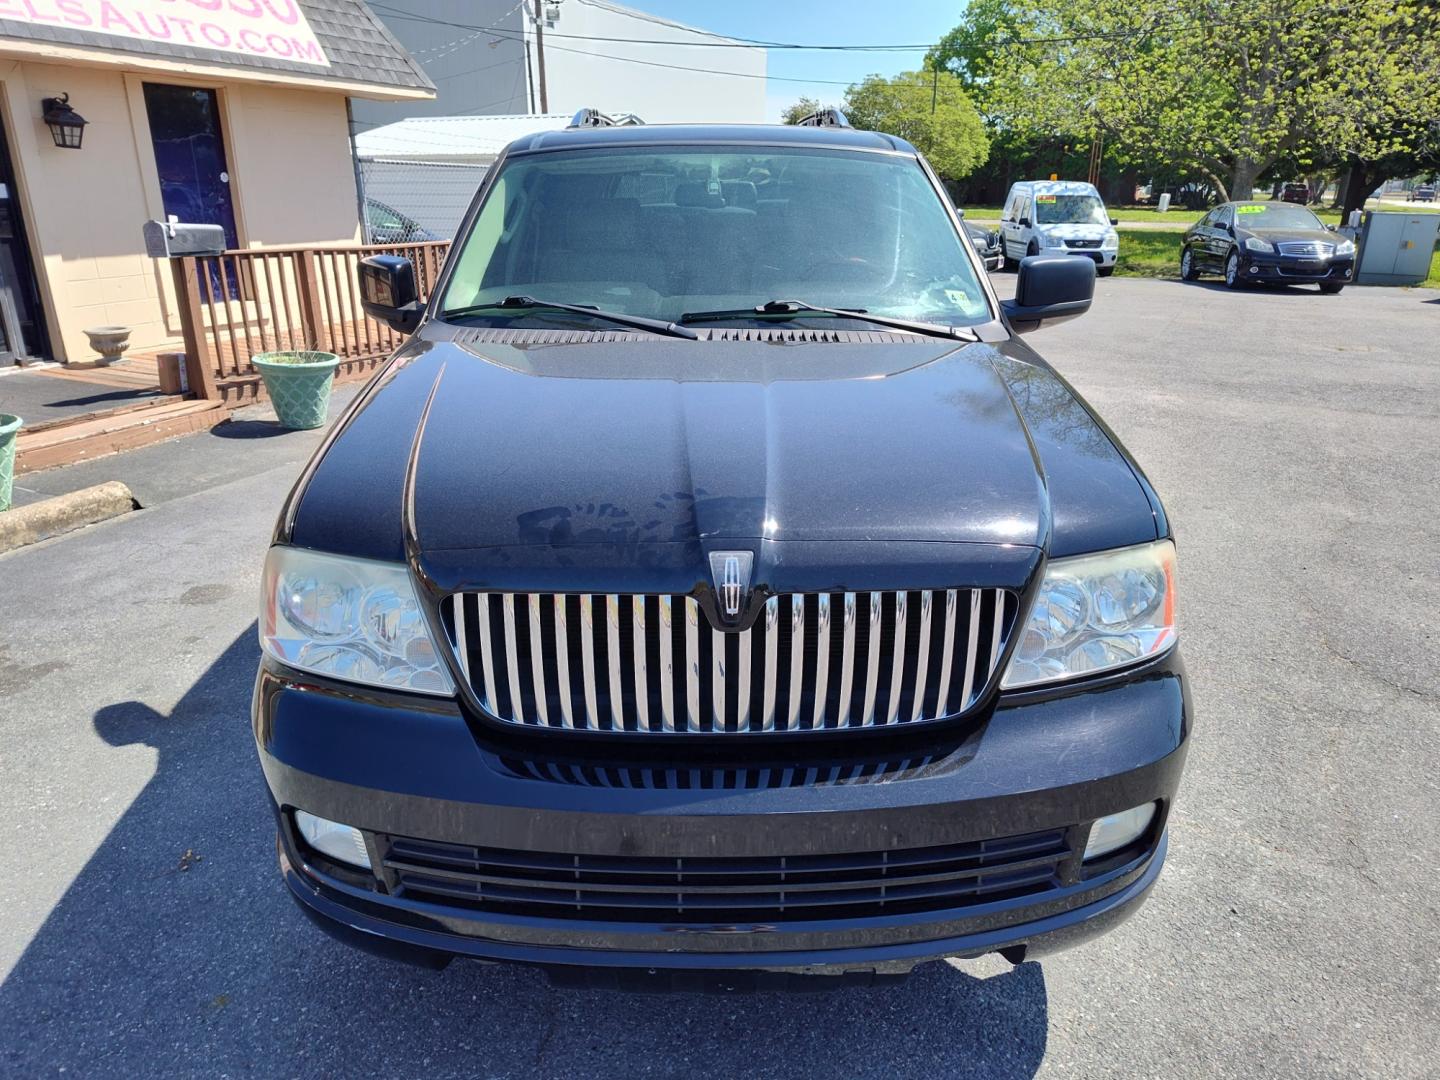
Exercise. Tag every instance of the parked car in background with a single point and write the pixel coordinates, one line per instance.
(1425, 193)
(1295, 193)
(1266, 243)
(986, 241)
(1058, 217)
(716, 586)
(386, 225)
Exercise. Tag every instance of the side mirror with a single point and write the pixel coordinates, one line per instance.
(1025, 223)
(959, 211)
(1051, 288)
(1114, 221)
(387, 292)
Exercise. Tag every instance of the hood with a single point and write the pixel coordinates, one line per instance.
(1308, 236)
(1073, 231)
(638, 443)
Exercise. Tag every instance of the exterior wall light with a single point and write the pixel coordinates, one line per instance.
(65, 124)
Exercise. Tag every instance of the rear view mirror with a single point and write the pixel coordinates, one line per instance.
(387, 292)
(1050, 289)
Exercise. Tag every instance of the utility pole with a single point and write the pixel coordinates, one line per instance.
(540, 56)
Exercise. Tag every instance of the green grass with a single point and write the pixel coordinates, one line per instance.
(1433, 281)
(1148, 253)
(1179, 219)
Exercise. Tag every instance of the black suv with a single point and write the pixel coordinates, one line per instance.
(715, 587)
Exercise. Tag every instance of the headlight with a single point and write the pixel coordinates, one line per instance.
(1049, 240)
(350, 619)
(1345, 247)
(1111, 241)
(1096, 612)
(1254, 243)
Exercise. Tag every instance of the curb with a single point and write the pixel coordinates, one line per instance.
(24, 525)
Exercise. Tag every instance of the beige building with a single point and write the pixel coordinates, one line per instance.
(228, 112)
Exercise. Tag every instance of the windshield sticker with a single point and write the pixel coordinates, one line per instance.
(1251, 209)
(1044, 198)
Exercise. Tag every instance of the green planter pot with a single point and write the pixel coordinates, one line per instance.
(299, 385)
(9, 428)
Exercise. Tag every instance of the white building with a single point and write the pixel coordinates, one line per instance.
(483, 56)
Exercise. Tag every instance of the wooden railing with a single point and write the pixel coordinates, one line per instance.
(256, 300)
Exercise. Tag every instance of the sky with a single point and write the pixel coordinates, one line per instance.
(826, 22)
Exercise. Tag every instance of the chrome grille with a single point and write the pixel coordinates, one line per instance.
(1087, 244)
(1305, 249)
(809, 662)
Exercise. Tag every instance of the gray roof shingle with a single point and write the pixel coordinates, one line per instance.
(357, 43)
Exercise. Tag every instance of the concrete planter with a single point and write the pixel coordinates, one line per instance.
(109, 341)
(299, 385)
(9, 428)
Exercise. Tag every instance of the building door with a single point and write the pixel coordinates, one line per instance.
(190, 156)
(22, 320)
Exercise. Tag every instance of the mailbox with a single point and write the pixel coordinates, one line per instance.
(165, 239)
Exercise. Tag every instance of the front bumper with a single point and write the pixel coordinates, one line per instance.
(402, 769)
(1258, 266)
(1102, 257)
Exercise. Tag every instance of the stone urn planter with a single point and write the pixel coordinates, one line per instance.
(109, 341)
(299, 385)
(9, 428)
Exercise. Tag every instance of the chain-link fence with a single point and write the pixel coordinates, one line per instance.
(408, 202)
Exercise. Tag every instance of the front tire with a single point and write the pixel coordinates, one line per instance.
(1330, 288)
(1233, 280)
(1188, 270)
(1104, 271)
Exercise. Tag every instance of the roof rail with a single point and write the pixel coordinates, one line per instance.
(595, 118)
(825, 118)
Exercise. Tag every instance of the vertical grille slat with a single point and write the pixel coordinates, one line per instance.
(797, 660)
(642, 668)
(612, 649)
(562, 662)
(587, 661)
(537, 661)
(897, 664)
(822, 660)
(847, 661)
(666, 632)
(808, 662)
(692, 665)
(512, 656)
(772, 653)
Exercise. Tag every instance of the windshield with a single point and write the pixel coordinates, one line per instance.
(1069, 210)
(1275, 216)
(679, 230)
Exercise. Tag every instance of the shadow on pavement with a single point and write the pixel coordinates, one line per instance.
(249, 429)
(175, 951)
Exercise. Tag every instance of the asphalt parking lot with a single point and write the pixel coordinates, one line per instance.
(1294, 933)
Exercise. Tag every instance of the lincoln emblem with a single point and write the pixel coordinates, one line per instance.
(730, 571)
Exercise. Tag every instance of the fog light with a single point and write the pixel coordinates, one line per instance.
(1115, 831)
(1254, 269)
(331, 838)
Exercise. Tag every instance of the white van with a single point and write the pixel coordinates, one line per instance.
(1058, 217)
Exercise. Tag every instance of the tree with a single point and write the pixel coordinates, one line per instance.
(793, 114)
(1230, 87)
(928, 109)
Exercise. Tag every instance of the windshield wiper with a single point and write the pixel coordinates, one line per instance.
(800, 308)
(529, 303)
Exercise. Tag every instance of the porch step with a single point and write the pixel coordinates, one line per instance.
(82, 438)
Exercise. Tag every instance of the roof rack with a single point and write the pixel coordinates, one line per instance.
(595, 118)
(825, 118)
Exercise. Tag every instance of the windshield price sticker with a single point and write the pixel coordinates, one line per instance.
(1251, 209)
(1044, 198)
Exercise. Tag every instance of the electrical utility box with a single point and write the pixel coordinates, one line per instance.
(1395, 249)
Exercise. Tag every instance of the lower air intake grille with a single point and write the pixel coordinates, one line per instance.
(654, 664)
(726, 889)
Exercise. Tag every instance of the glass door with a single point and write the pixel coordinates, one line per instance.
(22, 320)
(190, 158)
